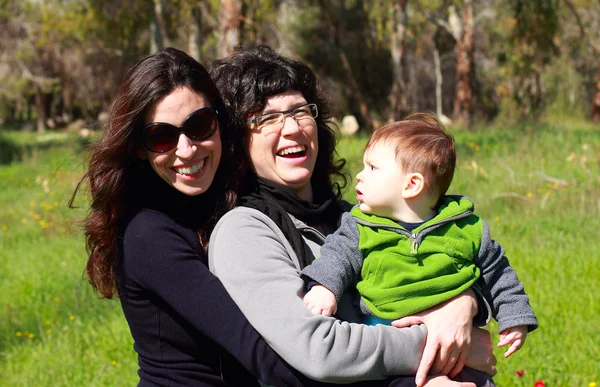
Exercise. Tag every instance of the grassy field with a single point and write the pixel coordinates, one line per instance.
(538, 189)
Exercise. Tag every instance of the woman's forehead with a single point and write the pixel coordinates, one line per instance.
(284, 100)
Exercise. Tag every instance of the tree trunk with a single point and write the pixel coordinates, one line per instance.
(40, 105)
(596, 102)
(195, 37)
(336, 28)
(229, 27)
(398, 99)
(464, 67)
(158, 28)
(67, 99)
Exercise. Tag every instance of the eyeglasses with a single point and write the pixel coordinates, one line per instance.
(161, 137)
(274, 121)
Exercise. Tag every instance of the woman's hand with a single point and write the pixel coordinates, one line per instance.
(449, 328)
(480, 356)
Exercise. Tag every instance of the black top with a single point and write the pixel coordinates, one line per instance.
(185, 326)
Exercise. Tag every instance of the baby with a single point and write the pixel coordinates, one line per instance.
(407, 246)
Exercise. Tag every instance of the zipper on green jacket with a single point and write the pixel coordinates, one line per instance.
(414, 244)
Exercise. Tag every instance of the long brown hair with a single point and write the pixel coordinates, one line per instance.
(113, 161)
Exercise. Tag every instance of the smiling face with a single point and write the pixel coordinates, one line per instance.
(380, 186)
(285, 156)
(190, 166)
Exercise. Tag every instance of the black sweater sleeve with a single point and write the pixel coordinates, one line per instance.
(165, 258)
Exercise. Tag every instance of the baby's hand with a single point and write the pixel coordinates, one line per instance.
(320, 300)
(515, 336)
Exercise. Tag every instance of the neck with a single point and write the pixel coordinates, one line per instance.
(305, 193)
(415, 210)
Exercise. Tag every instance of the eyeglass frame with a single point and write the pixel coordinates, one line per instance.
(180, 129)
(285, 113)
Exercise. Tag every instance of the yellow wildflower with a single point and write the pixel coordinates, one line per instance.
(4, 227)
(43, 224)
(71, 317)
(114, 363)
(19, 334)
(31, 335)
(529, 195)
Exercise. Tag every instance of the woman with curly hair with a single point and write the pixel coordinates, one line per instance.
(290, 199)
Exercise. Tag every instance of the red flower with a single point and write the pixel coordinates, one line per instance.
(539, 383)
(520, 372)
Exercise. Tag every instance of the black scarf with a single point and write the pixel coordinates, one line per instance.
(276, 201)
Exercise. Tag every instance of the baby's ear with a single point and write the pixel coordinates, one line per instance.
(414, 185)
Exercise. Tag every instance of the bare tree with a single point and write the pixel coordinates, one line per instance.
(595, 48)
(464, 49)
(195, 33)
(336, 30)
(229, 26)
(398, 94)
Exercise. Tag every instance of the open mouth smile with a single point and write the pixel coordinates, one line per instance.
(294, 151)
(190, 170)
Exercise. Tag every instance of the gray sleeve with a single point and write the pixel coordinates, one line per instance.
(501, 287)
(250, 255)
(341, 261)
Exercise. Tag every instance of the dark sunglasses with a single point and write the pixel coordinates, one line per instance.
(161, 137)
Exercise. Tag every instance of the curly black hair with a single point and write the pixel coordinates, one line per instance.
(248, 78)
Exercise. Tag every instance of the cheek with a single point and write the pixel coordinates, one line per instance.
(259, 149)
(157, 161)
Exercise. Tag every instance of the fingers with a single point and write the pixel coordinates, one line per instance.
(458, 366)
(513, 348)
(429, 354)
(318, 310)
(506, 339)
(492, 366)
(407, 321)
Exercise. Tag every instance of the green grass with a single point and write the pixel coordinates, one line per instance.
(538, 190)
(54, 330)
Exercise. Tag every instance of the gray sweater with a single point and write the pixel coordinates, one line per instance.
(259, 269)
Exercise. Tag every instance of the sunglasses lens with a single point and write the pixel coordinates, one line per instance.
(201, 125)
(161, 137)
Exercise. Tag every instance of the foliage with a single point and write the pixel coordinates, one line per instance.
(71, 55)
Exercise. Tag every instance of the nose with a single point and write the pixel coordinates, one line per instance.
(359, 176)
(290, 125)
(185, 147)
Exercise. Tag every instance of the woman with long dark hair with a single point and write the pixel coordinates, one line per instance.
(158, 184)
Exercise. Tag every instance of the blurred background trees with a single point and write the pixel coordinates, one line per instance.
(470, 61)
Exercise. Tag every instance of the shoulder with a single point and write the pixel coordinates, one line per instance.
(151, 228)
(146, 222)
(243, 217)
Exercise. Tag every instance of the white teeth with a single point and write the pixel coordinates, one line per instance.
(191, 170)
(294, 149)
